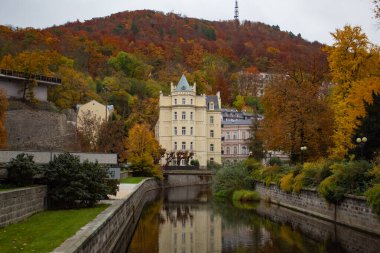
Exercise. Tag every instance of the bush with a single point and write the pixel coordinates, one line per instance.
(245, 195)
(331, 191)
(252, 165)
(211, 165)
(72, 184)
(144, 167)
(194, 163)
(230, 178)
(275, 161)
(373, 198)
(22, 169)
(348, 177)
(286, 182)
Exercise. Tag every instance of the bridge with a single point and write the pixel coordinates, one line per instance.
(187, 177)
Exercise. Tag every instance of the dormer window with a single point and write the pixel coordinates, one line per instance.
(183, 101)
(211, 106)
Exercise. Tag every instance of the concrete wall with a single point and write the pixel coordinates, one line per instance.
(186, 180)
(42, 157)
(15, 89)
(18, 204)
(353, 211)
(117, 221)
(321, 230)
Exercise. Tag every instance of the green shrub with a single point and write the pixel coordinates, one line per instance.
(229, 178)
(72, 184)
(194, 163)
(331, 191)
(252, 165)
(22, 169)
(275, 161)
(350, 177)
(211, 165)
(373, 198)
(245, 195)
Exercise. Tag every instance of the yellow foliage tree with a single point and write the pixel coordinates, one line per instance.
(3, 108)
(142, 150)
(354, 66)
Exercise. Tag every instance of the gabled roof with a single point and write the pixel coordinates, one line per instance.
(183, 85)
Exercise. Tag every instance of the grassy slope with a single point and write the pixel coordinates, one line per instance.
(45, 231)
(132, 180)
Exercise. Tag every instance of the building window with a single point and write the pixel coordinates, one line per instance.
(235, 135)
(191, 115)
(228, 136)
(211, 159)
(211, 106)
(175, 145)
(183, 145)
(211, 133)
(191, 101)
(183, 130)
(211, 119)
(191, 130)
(183, 101)
(244, 150)
(175, 101)
(175, 131)
(175, 115)
(183, 115)
(243, 137)
(235, 150)
(191, 145)
(228, 150)
(211, 147)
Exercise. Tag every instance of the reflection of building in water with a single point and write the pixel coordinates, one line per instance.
(189, 229)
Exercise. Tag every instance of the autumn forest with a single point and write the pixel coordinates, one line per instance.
(321, 95)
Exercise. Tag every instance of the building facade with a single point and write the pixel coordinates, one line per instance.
(190, 122)
(235, 135)
(93, 109)
(16, 84)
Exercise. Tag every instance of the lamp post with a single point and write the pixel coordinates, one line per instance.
(303, 149)
(361, 142)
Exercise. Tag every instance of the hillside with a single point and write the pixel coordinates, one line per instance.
(160, 47)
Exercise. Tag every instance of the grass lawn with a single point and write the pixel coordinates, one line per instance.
(132, 180)
(45, 231)
(5, 187)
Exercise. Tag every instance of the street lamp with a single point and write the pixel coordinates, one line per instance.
(303, 149)
(361, 142)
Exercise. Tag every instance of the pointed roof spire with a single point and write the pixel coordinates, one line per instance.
(183, 84)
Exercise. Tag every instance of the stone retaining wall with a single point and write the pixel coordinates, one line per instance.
(186, 180)
(103, 233)
(321, 230)
(18, 204)
(353, 211)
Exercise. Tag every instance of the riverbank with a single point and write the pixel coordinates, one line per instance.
(102, 234)
(353, 211)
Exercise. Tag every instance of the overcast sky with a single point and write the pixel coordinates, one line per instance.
(314, 19)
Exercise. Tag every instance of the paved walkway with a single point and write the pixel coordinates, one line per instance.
(124, 191)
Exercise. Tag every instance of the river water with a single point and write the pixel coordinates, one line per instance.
(189, 220)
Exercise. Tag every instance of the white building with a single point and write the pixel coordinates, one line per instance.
(190, 122)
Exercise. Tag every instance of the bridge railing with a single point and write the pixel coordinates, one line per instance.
(187, 167)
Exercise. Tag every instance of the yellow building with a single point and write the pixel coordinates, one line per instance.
(93, 109)
(190, 122)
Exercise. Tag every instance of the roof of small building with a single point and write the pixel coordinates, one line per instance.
(237, 122)
(183, 84)
(214, 99)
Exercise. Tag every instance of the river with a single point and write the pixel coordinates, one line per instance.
(189, 220)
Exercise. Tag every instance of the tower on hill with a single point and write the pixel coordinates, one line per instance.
(236, 11)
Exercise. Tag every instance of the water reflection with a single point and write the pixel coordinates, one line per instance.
(186, 220)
